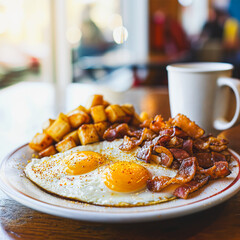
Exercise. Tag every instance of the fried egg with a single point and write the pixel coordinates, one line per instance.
(100, 174)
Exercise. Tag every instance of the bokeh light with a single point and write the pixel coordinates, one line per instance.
(120, 35)
(74, 35)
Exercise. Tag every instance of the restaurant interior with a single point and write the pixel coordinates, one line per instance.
(118, 44)
(54, 54)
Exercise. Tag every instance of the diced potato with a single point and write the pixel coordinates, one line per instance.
(80, 108)
(66, 144)
(94, 100)
(77, 118)
(128, 109)
(47, 124)
(59, 128)
(101, 128)
(48, 151)
(88, 134)
(74, 135)
(136, 121)
(144, 116)
(105, 103)
(40, 141)
(115, 113)
(98, 114)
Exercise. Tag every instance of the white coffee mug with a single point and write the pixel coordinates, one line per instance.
(201, 91)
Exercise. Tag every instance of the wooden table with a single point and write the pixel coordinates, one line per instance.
(220, 222)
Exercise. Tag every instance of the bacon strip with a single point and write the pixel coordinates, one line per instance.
(164, 154)
(197, 182)
(144, 153)
(204, 159)
(227, 155)
(175, 142)
(174, 131)
(146, 150)
(127, 144)
(191, 128)
(130, 143)
(219, 170)
(201, 144)
(188, 146)
(161, 140)
(186, 171)
(179, 154)
(157, 124)
(156, 184)
(185, 174)
(217, 157)
(175, 164)
(119, 131)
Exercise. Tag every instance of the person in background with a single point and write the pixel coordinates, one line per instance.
(209, 45)
(213, 28)
(167, 35)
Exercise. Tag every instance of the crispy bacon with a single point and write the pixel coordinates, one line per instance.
(174, 131)
(175, 164)
(157, 159)
(186, 171)
(210, 143)
(156, 184)
(119, 131)
(130, 143)
(201, 144)
(216, 141)
(161, 140)
(178, 132)
(188, 146)
(144, 153)
(191, 128)
(197, 182)
(217, 157)
(146, 123)
(175, 142)
(157, 124)
(219, 170)
(227, 155)
(165, 155)
(185, 174)
(218, 148)
(204, 159)
(179, 154)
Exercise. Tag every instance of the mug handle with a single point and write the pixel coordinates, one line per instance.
(221, 123)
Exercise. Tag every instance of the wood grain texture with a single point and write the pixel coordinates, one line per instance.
(220, 222)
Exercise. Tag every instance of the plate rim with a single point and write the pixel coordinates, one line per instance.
(124, 217)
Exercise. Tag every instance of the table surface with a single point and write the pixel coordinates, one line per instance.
(20, 222)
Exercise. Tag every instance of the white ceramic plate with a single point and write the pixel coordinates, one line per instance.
(14, 183)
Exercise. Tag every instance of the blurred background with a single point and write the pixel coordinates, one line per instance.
(62, 46)
(120, 43)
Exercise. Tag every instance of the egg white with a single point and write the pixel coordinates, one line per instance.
(49, 174)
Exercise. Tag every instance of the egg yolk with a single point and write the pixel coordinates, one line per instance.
(82, 162)
(126, 177)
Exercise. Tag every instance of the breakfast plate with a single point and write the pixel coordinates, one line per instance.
(15, 184)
